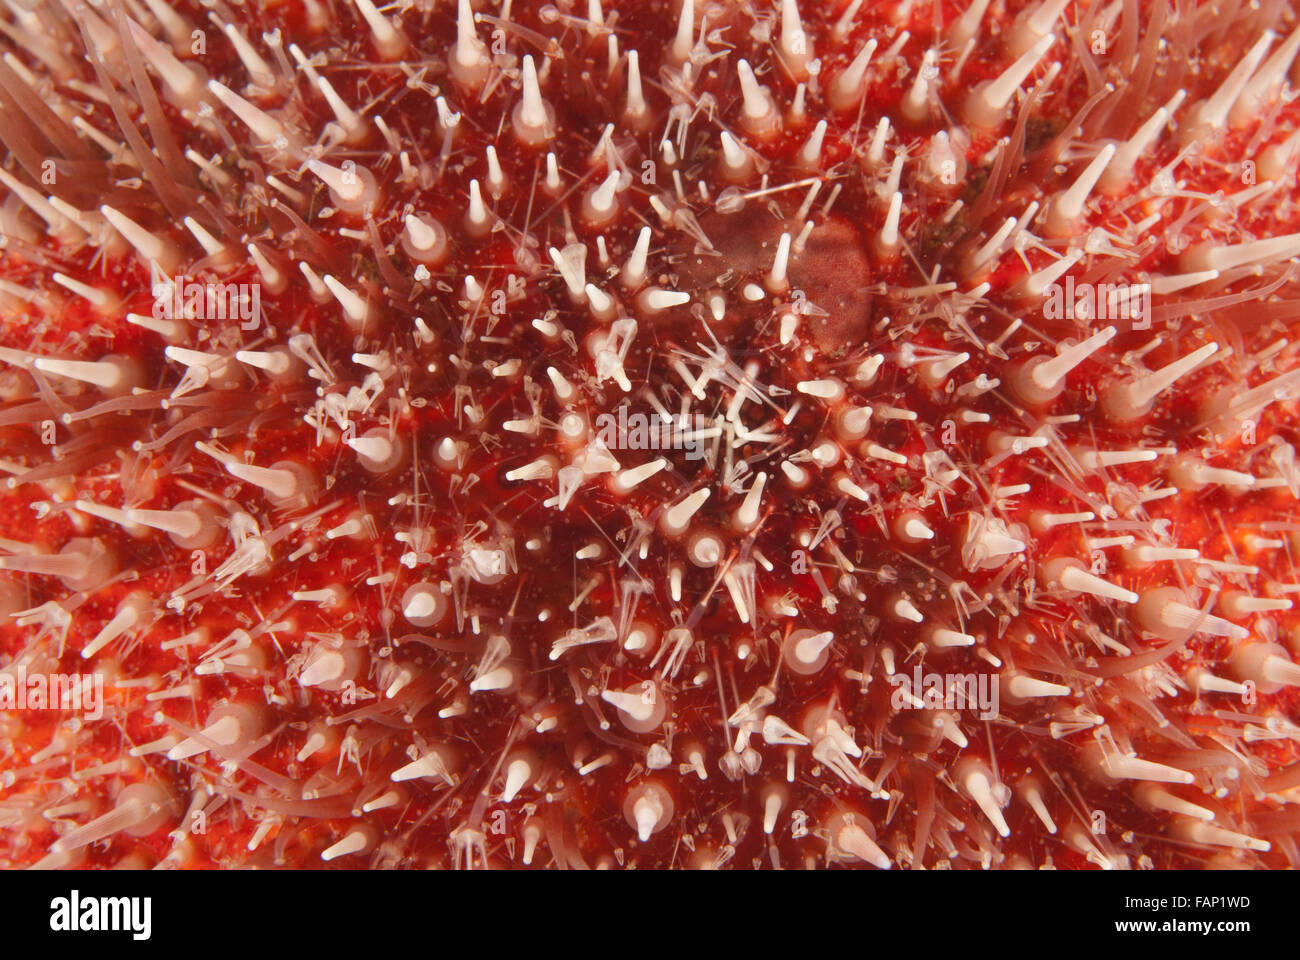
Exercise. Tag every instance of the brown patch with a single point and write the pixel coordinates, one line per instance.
(833, 271)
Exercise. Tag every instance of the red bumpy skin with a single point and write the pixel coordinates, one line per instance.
(575, 421)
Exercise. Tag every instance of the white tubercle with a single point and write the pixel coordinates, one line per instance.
(1080, 580)
(990, 248)
(967, 25)
(263, 126)
(1037, 284)
(1027, 688)
(258, 69)
(182, 81)
(986, 106)
(1033, 797)
(1264, 664)
(904, 609)
(354, 307)
(847, 89)
(1050, 374)
(1034, 25)
(603, 200)
(888, 237)
(499, 678)
(916, 529)
(357, 841)
(854, 840)
(677, 518)
(1239, 605)
(518, 773)
(876, 150)
(636, 105)
(224, 732)
(810, 153)
(976, 782)
(323, 666)
(809, 649)
(794, 44)
(1134, 398)
(532, 117)
(1120, 170)
(758, 112)
(655, 299)
(388, 40)
(1067, 208)
(430, 765)
(1200, 832)
(421, 235)
(634, 272)
(1189, 472)
(1122, 767)
(1205, 682)
(647, 813)
(1098, 459)
(1180, 616)
(771, 810)
(877, 452)
(571, 265)
(778, 279)
(275, 362)
(684, 40)
(469, 61)
(632, 703)
(210, 244)
(1266, 84)
(346, 183)
(183, 523)
(735, 159)
(152, 248)
(129, 613)
(271, 275)
(1150, 553)
(916, 102)
(1251, 252)
(421, 603)
(1158, 798)
(627, 479)
(1162, 286)
(282, 484)
(943, 637)
(746, 516)
(348, 119)
(377, 449)
(110, 374)
(1212, 113)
